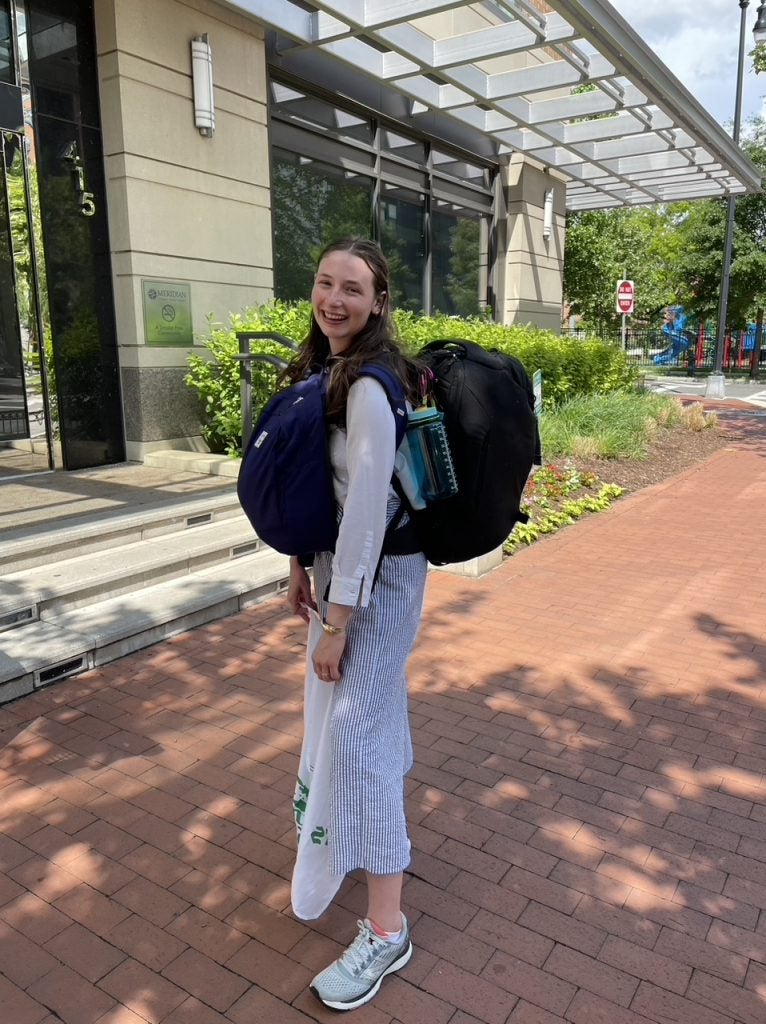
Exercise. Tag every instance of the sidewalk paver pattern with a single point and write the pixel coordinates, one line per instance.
(588, 803)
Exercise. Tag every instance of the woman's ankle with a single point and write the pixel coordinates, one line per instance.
(386, 925)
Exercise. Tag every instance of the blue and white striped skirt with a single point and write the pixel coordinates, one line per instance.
(371, 744)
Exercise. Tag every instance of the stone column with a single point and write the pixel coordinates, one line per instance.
(530, 266)
(182, 208)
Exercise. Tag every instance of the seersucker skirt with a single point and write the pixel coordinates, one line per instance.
(371, 743)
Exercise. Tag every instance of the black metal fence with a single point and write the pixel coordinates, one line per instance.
(689, 352)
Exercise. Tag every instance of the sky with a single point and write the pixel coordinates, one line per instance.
(697, 40)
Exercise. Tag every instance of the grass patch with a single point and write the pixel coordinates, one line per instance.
(624, 427)
(614, 426)
(695, 418)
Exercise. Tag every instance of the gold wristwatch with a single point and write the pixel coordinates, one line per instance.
(333, 630)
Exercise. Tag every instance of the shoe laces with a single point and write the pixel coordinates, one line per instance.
(362, 950)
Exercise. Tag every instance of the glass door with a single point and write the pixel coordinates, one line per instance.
(26, 434)
(25, 441)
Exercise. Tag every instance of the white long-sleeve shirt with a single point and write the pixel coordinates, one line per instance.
(363, 459)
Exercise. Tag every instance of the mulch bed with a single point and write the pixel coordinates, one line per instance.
(671, 452)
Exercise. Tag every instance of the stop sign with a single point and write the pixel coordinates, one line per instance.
(626, 297)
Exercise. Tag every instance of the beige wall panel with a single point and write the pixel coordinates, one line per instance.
(105, 18)
(531, 281)
(526, 237)
(190, 225)
(131, 68)
(238, 150)
(146, 264)
(538, 314)
(123, 166)
(218, 300)
(160, 31)
(111, 104)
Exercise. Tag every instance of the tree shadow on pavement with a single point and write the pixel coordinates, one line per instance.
(587, 839)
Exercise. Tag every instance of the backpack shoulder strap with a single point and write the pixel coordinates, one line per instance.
(395, 393)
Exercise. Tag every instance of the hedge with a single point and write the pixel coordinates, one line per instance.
(569, 367)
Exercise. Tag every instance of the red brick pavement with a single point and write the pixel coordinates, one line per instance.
(588, 801)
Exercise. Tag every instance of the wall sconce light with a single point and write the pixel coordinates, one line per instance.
(548, 215)
(202, 83)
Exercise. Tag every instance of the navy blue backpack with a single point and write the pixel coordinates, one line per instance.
(285, 479)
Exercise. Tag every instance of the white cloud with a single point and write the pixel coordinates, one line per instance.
(698, 40)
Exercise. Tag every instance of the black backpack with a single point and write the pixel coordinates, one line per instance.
(488, 405)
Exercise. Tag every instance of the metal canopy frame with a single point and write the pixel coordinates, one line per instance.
(635, 137)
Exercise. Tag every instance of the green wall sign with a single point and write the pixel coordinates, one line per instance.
(167, 313)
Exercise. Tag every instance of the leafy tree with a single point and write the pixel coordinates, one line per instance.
(702, 232)
(674, 254)
(603, 244)
(759, 58)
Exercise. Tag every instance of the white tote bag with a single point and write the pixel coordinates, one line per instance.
(314, 885)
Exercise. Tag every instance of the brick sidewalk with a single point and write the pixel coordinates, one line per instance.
(588, 803)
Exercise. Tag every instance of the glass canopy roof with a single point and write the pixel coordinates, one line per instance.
(566, 83)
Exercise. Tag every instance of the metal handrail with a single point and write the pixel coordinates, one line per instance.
(245, 359)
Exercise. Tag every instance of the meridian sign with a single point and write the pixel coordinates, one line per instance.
(626, 297)
(167, 313)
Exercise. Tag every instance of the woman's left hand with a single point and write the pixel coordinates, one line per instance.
(327, 657)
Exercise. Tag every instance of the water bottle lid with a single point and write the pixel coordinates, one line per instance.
(424, 413)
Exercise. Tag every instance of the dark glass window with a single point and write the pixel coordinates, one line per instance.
(337, 171)
(62, 55)
(13, 406)
(403, 147)
(313, 204)
(291, 105)
(402, 236)
(70, 173)
(460, 169)
(456, 262)
(7, 69)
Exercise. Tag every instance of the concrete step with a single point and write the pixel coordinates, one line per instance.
(37, 654)
(74, 582)
(193, 462)
(44, 543)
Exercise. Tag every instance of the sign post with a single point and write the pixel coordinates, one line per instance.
(626, 303)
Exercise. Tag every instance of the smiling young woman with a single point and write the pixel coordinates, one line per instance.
(369, 605)
(344, 297)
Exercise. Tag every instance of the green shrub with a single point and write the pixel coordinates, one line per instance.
(557, 496)
(569, 367)
(216, 378)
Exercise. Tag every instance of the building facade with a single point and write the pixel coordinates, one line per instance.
(129, 221)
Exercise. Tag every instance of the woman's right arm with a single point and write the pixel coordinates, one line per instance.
(299, 590)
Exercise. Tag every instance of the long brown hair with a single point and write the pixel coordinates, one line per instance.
(375, 343)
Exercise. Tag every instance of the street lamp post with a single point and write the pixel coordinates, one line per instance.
(715, 382)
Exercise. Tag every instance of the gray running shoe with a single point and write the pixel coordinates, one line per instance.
(354, 978)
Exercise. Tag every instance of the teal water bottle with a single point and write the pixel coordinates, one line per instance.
(431, 457)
